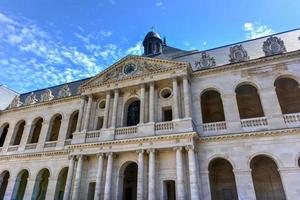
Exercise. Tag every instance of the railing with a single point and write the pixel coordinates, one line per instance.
(293, 118)
(94, 134)
(164, 126)
(31, 146)
(50, 144)
(214, 126)
(68, 142)
(13, 148)
(254, 123)
(126, 130)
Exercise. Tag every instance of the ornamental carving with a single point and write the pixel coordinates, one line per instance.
(16, 102)
(205, 62)
(64, 92)
(238, 54)
(47, 95)
(273, 46)
(31, 99)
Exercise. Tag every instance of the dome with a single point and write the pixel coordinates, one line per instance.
(151, 35)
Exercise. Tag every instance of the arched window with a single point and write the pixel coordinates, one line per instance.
(132, 112)
(61, 184)
(3, 130)
(288, 93)
(72, 124)
(128, 180)
(54, 128)
(150, 48)
(18, 132)
(248, 102)
(212, 107)
(3, 185)
(20, 186)
(266, 179)
(41, 184)
(222, 180)
(35, 131)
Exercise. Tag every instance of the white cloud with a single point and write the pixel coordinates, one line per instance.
(159, 4)
(204, 43)
(137, 49)
(255, 30)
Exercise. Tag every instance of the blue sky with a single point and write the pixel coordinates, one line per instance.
(49, 42)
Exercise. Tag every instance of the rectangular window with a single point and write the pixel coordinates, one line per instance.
(169, 190)
(91, 191)
(99, 123)
(167, 114)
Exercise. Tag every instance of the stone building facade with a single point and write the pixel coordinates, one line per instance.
(170, 124)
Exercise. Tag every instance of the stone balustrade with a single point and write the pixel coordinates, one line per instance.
(50, 144)
(161, 126)
(13, 148)
(214, 127)
(93, 134)
(292, 120)
(254, 124)
(68, 142)
(30, 146)
(126, 130)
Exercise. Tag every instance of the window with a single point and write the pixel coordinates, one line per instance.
(99, 123)
(18, 133)
(3, 134)
(54, 128)
(167, 114)
(212, 107)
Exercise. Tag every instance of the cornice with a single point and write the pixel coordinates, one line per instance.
(248, 63)
(280, 132)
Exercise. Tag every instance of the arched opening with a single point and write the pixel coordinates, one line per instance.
(132, 112)
(222, 180)
(72, 124)
(248, 102)
(35, 131)
(61, 184)
(20, 185)
(266, 179)
(212, 107)
(4, 131)
(288, 94)
(129, 182)
(41, 185)
(54, 128)
(18, 133)
(4, 176)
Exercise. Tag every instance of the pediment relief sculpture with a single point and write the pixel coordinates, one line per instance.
(238, 54)
(47, 96)
(273, 46)
(16, 102)
(205, 62)
(31, 99)
(64, 92)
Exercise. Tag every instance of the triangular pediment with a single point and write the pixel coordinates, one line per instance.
(129, 67)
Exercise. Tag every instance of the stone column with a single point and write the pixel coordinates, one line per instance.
(69, 178)
(115, 109)
(151, 179)
(140, 178)
(10, 187)
(88, 114)
(231, 112)
(187, 97)
(98, 187)
(106, 111)
(290, 177)
(43, 134)
(62, 135)
(52, 181)
(108, 178)
(205, 183)
(25, 136)
(29, 188)
(151, 102)
(194, 187)
(77, 181)
(244, 184)
(80, 114)
(180, 191)
(142, 104)
(175, 99)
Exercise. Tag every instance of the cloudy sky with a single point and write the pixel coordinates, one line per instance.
(49, 42)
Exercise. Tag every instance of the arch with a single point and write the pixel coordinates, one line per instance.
(212, 107)
(222, 180)
(5, 177)
(288, 94)
(266, 178)
(73, 120)
(132, 112)
(18, 133)
(61, 183)
(35, 130)
(20, 184)
(54, 127)
(248, 101)
(4, 130)
(41, 185)
(128, 180)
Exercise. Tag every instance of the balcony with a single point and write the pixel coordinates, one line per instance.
(292, 120)
(30, 146)
(254, 124)
(50, 144)
(214, 128)
(13, 148)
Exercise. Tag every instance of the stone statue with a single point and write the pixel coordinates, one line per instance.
(31, 99)
(47, 96)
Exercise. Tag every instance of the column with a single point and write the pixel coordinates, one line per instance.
(106, 111)
(180, 191)
(205, 183)
(194, 188)
(43, 134)
(25, 136)
(231, 112)
(244, 184)
(115, 109)
(98, 187)
(69, 178)
(77, 181)
(80, 114)
(108, 178)
(10, 187)
(290, 177)
(50, 194)
(88, 113)
(140, 178)
(63, 131)
(29, 187)
(151, 179)
(142, 104)
(186, 97)
(151, 102)
(175, 99)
